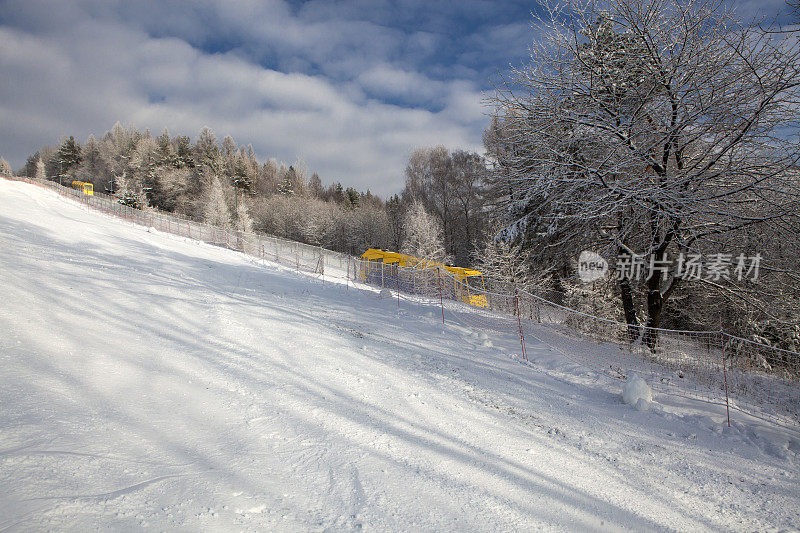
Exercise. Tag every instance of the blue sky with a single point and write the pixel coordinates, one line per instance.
(350, 87)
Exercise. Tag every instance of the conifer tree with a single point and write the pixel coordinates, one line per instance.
(207, 152)
(183, 152)
(315, 186)
(165, 152)
(30, 164)
(69, 156)
(228, 152)
(286, 185)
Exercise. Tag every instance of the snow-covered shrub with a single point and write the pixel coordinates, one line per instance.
(595, 299)
(637, 393)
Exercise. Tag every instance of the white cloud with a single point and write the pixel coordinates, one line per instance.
(80, 78)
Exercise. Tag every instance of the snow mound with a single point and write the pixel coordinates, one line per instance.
(637, 393)
(385, 293)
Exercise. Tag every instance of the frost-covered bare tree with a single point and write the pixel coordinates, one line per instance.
(505, 265)
(469, 171)
(244, 223)
(649, 126)
(94, 168)
(228, 152)
(177, 189)
(423, 237)
(369, 228)
(207, 155)
(215, 209)
(39, 173)
(5, 168)
(449, 186)
(141, 168)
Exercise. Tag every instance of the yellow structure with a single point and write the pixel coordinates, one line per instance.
(469, 283)
(84, 187)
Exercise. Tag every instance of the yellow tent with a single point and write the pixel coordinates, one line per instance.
(468, 283)
(84, 186)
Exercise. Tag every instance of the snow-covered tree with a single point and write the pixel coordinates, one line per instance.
(30, 165)
(5, 168)
(116, 149)
(315, 188)
(228, 152)
(267, 180)
(653, 126)
(165, 152)
(243, 221)
(369, 228)
(215, 208)
(287, 181)
(142, 167)
(448, 185)
(175, 189)
(94, 168)
(207, 153)
(40, 172)
(504, 265)
(243, 173)
(423, 237)
(69, 156)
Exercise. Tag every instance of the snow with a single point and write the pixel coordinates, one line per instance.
(154, 382)
(637, 393)
(385, 293)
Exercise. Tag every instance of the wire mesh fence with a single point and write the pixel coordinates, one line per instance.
(712, 366)
(301, 257)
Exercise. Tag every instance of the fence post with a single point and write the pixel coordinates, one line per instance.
(397, 278)
(441, 299)
(725, 376)
(519, 323)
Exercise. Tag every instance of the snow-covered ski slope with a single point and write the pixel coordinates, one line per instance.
(154, 382)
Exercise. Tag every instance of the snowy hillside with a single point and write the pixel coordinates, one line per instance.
(150, 381)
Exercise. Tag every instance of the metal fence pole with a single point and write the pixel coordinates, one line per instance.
(725, 377)
(441, 299)
(519, 323)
